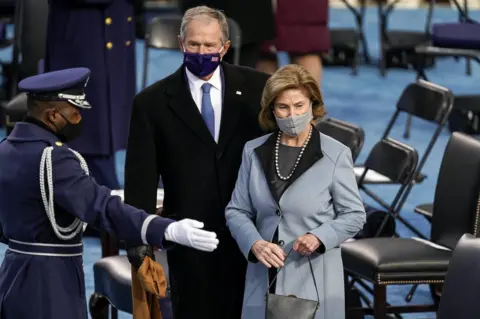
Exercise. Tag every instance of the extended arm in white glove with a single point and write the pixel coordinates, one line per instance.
(189, 232)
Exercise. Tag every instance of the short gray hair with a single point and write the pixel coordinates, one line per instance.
(205, 12)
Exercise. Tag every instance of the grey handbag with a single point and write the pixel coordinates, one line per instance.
(289, 307)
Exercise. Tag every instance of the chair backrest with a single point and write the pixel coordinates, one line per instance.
(33, 35)
(456, 206)
(346, 133)
(392, 159)
(461, 291)
(235, 33)
(31, 20)
(162, 32)
(427, 101)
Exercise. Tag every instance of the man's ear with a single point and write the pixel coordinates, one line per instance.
(226, 46)
(51, 114)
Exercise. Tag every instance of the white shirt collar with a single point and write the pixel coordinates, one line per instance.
(197, 83)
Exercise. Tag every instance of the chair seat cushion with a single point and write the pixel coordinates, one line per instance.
(395, 260)
(456, 35)
(374, 177)
(113, 279)
(425, 210)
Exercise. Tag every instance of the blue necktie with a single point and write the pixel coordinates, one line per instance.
(207, 109)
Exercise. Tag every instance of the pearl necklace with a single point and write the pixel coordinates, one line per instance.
(277, 146)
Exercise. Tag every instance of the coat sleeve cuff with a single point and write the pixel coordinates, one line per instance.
(251, 257)
(153, 232)
(327, 236)
(247, 244)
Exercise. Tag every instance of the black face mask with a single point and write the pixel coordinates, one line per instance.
(70, 131)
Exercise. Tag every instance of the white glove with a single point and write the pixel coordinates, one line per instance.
(188, 232)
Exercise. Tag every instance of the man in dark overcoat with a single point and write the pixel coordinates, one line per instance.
(100, 35)
(255, 18)
(191, 128)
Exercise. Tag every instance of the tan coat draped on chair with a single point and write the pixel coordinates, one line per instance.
(148, 285)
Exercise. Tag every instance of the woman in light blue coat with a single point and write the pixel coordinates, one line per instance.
(296, 189)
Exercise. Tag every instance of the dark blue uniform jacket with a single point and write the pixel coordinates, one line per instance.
(52, 287)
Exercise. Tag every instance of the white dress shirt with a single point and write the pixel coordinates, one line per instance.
(195, 85)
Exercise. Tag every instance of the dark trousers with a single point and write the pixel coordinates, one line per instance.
(207, 285)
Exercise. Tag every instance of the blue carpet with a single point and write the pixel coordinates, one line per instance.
(367, 100)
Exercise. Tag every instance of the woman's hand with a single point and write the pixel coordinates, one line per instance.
(271, 255)
(306, 244)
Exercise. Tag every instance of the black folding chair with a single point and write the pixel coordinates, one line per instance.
(396, 161)
(412, 261)
(348, 134)
(346, 42)
(423, 100)
(458, 40)
(397, 47)
(162, 34)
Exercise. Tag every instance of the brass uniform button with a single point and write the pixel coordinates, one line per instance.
(109, 45)
(129, 19)
(108, 21)
(127, 43)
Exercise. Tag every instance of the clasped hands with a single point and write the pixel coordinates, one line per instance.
(272, 255)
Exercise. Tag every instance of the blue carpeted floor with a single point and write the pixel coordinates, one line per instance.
(367, 100)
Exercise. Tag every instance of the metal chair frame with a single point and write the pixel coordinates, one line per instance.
(360, 38)
(384, 10)
(441, 119)
(428, 49)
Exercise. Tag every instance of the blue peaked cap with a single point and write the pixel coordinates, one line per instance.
(63, 85)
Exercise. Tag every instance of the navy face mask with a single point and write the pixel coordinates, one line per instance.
(201, 64)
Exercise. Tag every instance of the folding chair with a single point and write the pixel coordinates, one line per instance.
(412, 261)
(348, 134)
(458, 40)
(346, 42)
(397, 47)
(162, 34)
(398, 162)
(423, 100)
